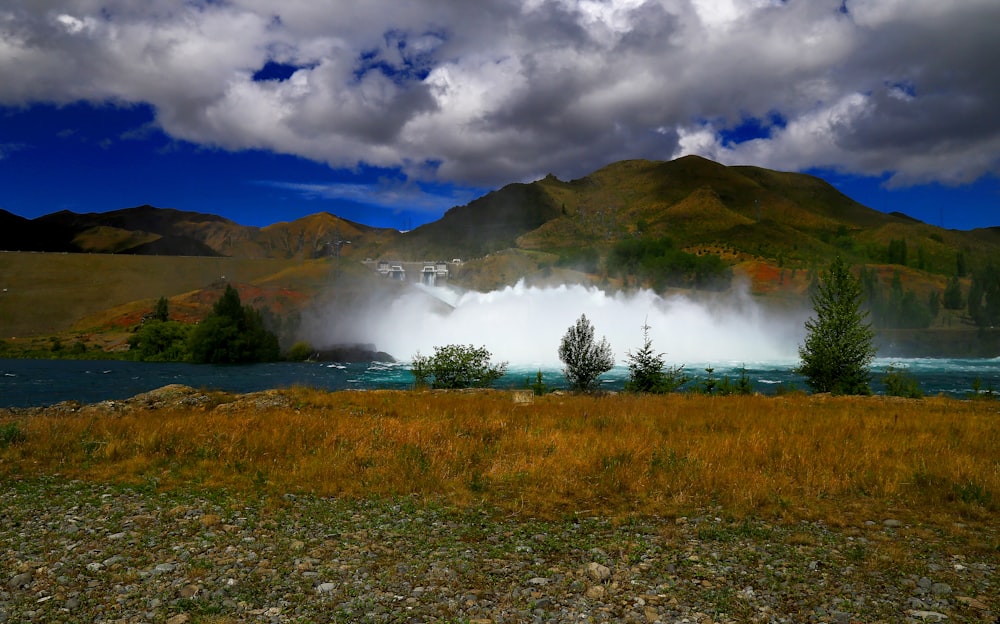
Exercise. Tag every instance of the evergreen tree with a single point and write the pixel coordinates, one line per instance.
(838, 349)
(584, 358)
(953, 295)
(897, 251)
(984, 296)
(160, 312)
(646, 369)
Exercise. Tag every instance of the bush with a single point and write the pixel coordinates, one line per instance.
(10, 435)
(299, 352)
(584, 358)
(159, 341)
(899, 382)
(456, 366)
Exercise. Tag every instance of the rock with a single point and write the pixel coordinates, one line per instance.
(596, 592)
(892, 524)
(325, 588)
(165, 567)
(927, 616)
(924, 583)
(210, 520)
(538, 580)
(940, 589)
(972, 602)
(189, 591)
(598, 572)
(20, 580)
(180, 618)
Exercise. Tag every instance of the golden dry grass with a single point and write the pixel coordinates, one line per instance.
(799, 457)
(49, 292)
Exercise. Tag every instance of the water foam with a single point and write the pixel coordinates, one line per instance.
(524, 324)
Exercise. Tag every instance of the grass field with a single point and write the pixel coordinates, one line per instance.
(46, 293)
(805, 457)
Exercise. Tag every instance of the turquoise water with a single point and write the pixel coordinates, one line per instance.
(26, 383)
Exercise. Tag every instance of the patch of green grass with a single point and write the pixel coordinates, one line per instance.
(973, 493)
(11, 435)
(746, 530)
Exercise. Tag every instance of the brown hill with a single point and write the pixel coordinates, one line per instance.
(146, 230)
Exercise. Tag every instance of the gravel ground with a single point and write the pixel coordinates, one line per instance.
(83, 552)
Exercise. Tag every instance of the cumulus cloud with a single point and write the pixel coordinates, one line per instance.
(497, 90)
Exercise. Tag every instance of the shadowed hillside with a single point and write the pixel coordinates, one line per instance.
(146, 230)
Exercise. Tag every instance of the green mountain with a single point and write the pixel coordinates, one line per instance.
(741, 212)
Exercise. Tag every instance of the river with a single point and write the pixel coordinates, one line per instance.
(25, 383)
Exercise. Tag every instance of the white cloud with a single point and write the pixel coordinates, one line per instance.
(490, 91)
(387, 193)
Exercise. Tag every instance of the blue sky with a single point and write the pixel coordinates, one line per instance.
(388, 114)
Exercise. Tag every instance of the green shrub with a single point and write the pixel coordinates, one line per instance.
(160, 341)
(899, 382)
(456, 366)
(11, 434)
(299, 352)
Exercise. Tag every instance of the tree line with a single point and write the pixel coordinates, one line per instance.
(232, 333)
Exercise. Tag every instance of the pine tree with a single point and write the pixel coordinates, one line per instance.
(161, 312)
(838, 349)
(953, 295)
(646, 369)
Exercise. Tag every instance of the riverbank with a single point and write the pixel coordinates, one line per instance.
(75, 551)
(189, 506)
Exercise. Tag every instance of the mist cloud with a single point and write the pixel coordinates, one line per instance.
(524, 324)
(488, 92)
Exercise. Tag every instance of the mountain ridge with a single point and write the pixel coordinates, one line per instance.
(785, 218)
(772, 230)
